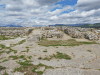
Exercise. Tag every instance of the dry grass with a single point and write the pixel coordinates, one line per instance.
(70, 42)
(29, 68)
(58, 55)
(59, 42)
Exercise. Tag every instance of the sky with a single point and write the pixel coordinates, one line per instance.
(49, 12)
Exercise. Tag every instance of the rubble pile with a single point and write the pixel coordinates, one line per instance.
(15, 31)
(77, 32)
(50, 32)
(91, 36)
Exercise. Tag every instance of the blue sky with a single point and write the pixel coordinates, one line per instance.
(46, 12)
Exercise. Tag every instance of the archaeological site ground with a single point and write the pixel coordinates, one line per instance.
(49, 51)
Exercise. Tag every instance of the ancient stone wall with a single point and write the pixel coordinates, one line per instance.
(50, 32)
(77, 32)
(15, 31)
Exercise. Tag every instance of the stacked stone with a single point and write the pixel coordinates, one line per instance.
(15, 31)
(89, 33)
(50, 32)
(78, 34)
(91, 36)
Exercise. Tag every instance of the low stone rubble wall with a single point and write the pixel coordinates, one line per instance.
(14, 31)
(88, 33)
(50, 32)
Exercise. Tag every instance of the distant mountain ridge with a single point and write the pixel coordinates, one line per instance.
(96, 25)
(12, 26)
(69, 24)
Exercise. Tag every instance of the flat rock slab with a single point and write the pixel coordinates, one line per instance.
(40, 69)
(95, 64)
(18, 73)
(71, 71)
(11, 64)
(11, 41)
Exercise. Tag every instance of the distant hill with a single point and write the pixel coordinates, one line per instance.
(68, 24)
(12, 26)
(96, 25)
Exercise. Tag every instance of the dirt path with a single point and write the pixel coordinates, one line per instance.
(36, 31)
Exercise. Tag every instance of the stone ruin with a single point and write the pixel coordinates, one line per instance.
(46, 32)
(78, 32)
(15, 31)
(50, 32)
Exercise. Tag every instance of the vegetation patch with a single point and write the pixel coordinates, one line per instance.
(70, 42)
(27, 50)
(89, 42)
(1, 52)
(26, 63)
(47, 67)
(10, 50)
(5, 60)
(5, 73)
(2, 46)
(18, 57)
(29, 68)
(30, 57)
(2, 68)
(89, 50)
(3, 37)
(31, 45)
(57, 56)
(21, 42)
(22, 56)
(14, 57)
(27, 47)
(40, 72)
(40, 58)
(15, 51)
(45, 51)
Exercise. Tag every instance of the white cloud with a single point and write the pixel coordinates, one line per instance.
(88, 5)
(58, 11)
(86, 12)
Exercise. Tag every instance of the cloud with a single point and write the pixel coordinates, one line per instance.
(14, 7)
(46, 12)
(58, 11)
(46, 2)
(15, 14)
(87, 5)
